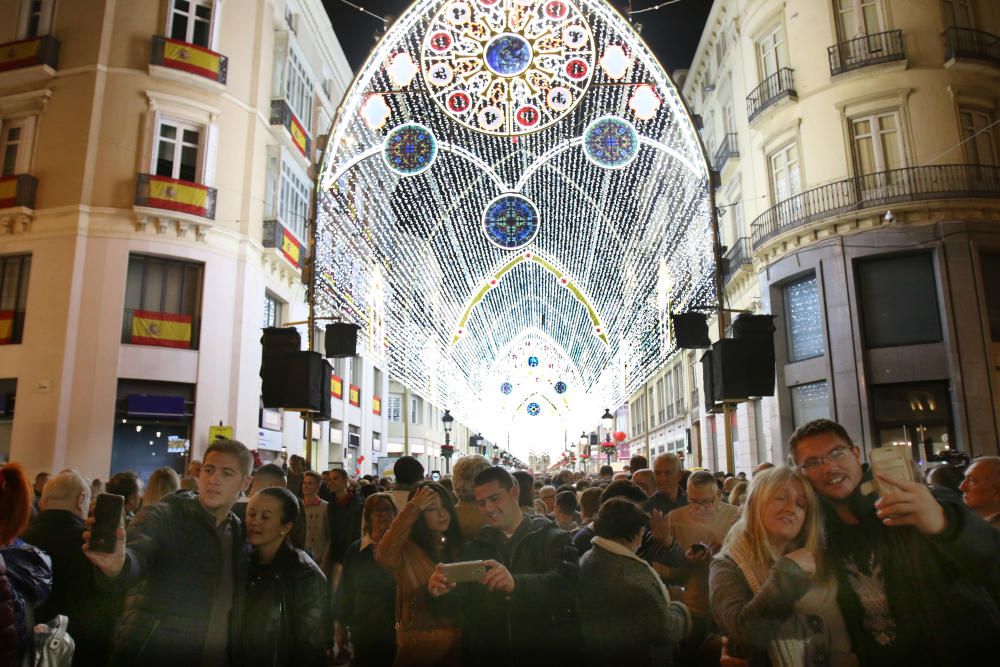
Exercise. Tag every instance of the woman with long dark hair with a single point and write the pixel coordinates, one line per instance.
(423, 534)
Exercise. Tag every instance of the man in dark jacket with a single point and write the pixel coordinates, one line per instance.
(343, 516)
(524, 608)
(918, 572)
(57, 530)
(185, 566)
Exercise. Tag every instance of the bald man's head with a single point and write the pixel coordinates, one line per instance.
(645, 479)
(68, 491)
(981, 486)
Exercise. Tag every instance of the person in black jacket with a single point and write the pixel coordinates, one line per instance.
(284, 614)
(343, 517)
(57, 530)
(183, 564)
(525, 605)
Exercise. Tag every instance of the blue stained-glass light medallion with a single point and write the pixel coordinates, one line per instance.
(533, 361)
(560, 387)
(506, 388)
(507, 54)
(611, 142)
(409, 149)
(534, 409)
(510, 221)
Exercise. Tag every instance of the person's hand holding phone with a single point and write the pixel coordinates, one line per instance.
(698, 554)
(910, 504)
(498, 577)
(438, 584)
(110, 564)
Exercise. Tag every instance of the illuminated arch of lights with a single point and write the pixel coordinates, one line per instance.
(505, 173)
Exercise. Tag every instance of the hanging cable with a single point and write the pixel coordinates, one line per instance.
(373, 14)
(643, 11)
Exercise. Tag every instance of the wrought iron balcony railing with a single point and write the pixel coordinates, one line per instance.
(969, 44)
(42, 50)
(18, 190)
(726, 150)
(189, 58)
(865, 51)
(737, 256)
(171, 194)
(280, 238)
(950, 181)
(774, 88)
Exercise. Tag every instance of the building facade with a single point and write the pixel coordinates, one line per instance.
(857, 144)
(158, 169)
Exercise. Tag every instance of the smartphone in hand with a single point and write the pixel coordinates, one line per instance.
(892, 461)
(107, 518)
(463, 573)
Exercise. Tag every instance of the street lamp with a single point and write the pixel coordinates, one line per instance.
(447, 421)
(607, 420)
(583, 440)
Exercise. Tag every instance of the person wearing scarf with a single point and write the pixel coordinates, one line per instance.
(769, 589)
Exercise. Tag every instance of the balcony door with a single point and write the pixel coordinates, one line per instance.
(772, 53)
(958, 14)
(786, 182)
(856, 18)
(878, 151)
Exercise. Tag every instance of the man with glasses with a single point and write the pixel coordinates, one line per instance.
(918, 574)
(699, 528)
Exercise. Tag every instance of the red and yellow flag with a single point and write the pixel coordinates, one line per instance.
(355, 395)
(19, 54)
(162, 329)
(299, 136)
(8, 191)
(6, 327)
(336, 386)
(175, 195)
(376, 405)
(291, 248)
(191, 58)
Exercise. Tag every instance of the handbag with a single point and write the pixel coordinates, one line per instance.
(53, 645)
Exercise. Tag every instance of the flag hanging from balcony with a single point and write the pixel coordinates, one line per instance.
(299, 137)
(336, 386)
(376, 405)
(20, 54)
(291, 248)
(355, 395)
(8, 191)
(175, 195)
(6, 327)
(191, 58)
(162, 329)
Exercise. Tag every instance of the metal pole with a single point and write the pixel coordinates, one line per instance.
(311, 300)
(645, 403)
(720, 316)
(406, 421)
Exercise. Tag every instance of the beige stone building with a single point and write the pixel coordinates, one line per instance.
(857, 142)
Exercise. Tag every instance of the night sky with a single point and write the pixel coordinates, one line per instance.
(672, 32)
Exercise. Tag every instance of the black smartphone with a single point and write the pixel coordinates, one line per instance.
(698, 548)
(107, 518)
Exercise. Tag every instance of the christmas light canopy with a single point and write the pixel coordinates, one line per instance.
(514, 179)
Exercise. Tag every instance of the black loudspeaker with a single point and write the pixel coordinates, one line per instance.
(729, 370)
(307, 383)
(325, 410)
(757, 334)
(277, 344)
(707, 382)
(278, 341)
(690, 330)
(341, 339)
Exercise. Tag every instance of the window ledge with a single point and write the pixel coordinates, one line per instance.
(274, 260)
(162, 220)
(16, 219)
(24, 75)
(162, 72)
(973, 65)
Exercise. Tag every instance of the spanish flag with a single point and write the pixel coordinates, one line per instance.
(336, 386)
(6, 327)
(19, 54)
(299, 136)
(162, 329)
(8, 191)
(191, 58)
(290, 248)
(376, 405)
(175, 195)
(355, 395)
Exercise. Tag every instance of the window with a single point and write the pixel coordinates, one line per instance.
(15, 146)
(661, 400)
(177, 148)
(810, 401)
(877, 143)
(958, 14)
(785, 180)
(272, 311)
(804, 318)
(678, 390)
(917, 414)
(162, 302)
(859, 17)
(36, 18)
(357, 369)
(899, 303)
(979, 134)
(394, 408)
(416, 408)
(299, 88)
(14, 273)
(191, 21)
(293, 199)
(990, 268)
(377, 381)
(772, 53)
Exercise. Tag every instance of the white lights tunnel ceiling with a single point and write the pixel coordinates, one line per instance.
(512, 199)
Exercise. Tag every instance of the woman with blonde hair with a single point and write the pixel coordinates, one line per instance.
(162, 482)
(770, 592)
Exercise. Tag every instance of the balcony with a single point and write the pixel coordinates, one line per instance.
(188, 63)
(164, 200)
(865, 51)
(295, 135)
(774, 88)
(726, 150)
(17, 201)
(953, 181)
(284, 253)
(32, 52)
(969, 44)
(737, 257)
(174, 330)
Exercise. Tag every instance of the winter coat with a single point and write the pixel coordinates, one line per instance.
(25, 583)
(626, 615)
(173, 562)
(284, 613)
(91, 610)
(539, 620)
(344, 522)
(365, 603)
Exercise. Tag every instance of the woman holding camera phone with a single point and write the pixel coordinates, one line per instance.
(422, 535)
(770, 591)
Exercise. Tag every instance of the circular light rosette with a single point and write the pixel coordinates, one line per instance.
(560, 387)
(506, 388)
(533, 362)
(522, 64)
(510, 221)
(611, 142)
(534, 409)
(409, 149)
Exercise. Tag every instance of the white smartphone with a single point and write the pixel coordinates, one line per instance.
(892, 461)
(463, 573)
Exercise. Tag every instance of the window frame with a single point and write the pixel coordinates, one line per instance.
(165, 262)
(25, 143)
(20, 297)
(789, 340)
(860, 27)
(870, 260)
(988, 129)
(783, 150)
(290, 177)
(767, 44)
(295, 62)
(180, 124)
(791, 400)
(275, 306)
(213, 33)
(878, 149)
(46, 9)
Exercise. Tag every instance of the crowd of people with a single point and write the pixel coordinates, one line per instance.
(813, 562)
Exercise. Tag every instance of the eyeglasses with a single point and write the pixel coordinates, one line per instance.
(701, 504)
(815, 462)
